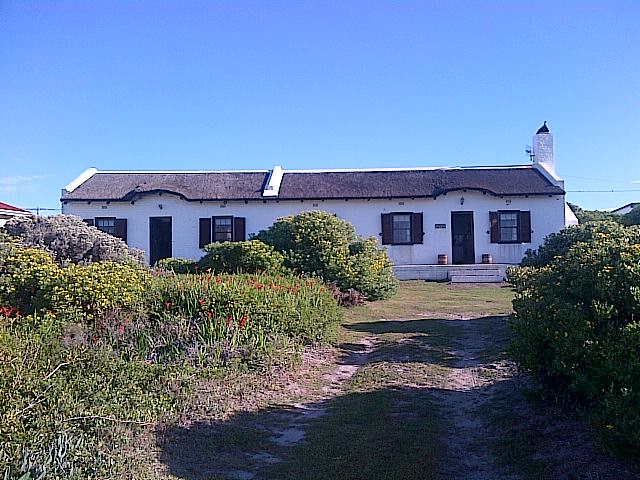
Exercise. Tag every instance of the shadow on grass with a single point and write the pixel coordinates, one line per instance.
(377, 431)
(437, 340)
(384, 434)
(430, 326)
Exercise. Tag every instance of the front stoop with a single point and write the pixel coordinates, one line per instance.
(477, 273)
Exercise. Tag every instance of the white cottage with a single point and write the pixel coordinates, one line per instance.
(422, 215)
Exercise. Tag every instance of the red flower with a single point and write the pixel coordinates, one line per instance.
(258, 286)
(202, 301)
(218, 280)
(7, 311)
(243, 321)
(167, 304)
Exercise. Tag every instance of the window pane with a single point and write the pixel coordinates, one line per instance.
(222, 229)
(402, 229)
(509, 227)
(107, 225)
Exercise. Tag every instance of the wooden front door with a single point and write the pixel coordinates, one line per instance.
(159, 238)
(462, 244)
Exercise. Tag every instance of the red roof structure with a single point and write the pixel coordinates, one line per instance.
(6, 206)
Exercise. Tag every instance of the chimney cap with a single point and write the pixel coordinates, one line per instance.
(543, 129)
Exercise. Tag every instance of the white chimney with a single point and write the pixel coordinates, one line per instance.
(543, 149)
(272, 188)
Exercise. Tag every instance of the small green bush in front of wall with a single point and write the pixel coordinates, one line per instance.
(321, 244)
(252, 256)
(177, 265)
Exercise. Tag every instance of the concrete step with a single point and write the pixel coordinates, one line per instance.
(457, 278)
(475, 271)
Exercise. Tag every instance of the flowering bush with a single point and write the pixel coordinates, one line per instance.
(97, 288)
(557, 244)
(25, 276)
(70, 240)
(247, 309)
(369, 270)
(576, 326)
(30, 280)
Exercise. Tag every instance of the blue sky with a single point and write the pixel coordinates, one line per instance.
(316, 84)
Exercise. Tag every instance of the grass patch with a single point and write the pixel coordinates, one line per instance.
(380, 375)
(418, 299)
(517, 447)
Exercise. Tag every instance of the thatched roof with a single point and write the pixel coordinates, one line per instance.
(313, 185)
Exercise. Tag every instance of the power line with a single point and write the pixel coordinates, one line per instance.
(42, 209)
(599, 179)
(602, 191)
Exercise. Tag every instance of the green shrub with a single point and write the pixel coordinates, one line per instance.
(576, 329)
(30, 280)
(321, 244)
(557, 244)
(242, 257)
(369, 270)
(71, 240)
(177, 265)
(26, 275)
(585, 216)
(62, 407)
(312, 242)
(97, 288)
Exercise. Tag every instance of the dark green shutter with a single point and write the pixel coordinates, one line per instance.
(121, 229)
(205, 232)
(417, 232)
(495, 227)
(525, 227)
(239, 229)
(387, 229)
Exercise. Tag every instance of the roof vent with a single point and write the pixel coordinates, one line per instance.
(543, 129)
(273, 183)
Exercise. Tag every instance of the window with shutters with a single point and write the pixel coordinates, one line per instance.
(510, 226)
(106, 224)
(221, 229)
(402, 228)
(111, 225)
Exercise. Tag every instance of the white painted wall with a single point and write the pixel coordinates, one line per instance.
(547, 216)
